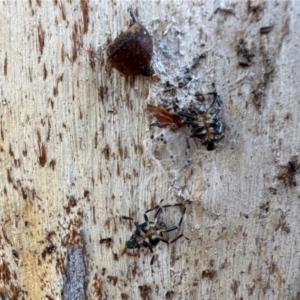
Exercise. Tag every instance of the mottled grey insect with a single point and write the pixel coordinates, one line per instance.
(205, 124)
(150, 233)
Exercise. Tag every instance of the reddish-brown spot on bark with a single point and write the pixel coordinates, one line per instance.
(41, 38)
(42, 157)
(5, 65)
(145, 292)
(97, 283)
(62, 53)
(52, 164)
(74, 42)
(25, 150)
(9, 179)
(45, 73)
(92, 57)
(1, 132)
(106, 152)
(4, 273)
(234, 286)
(85, 15)
(102, 91)
(62, 9)
(59, 79)
(113, 279)
(96, 140)
(11, 153)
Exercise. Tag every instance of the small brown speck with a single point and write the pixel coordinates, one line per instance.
(62, 53)
(92, 57)
(41, 38)
(244, 54)
(85, 15)
(24, 194)
(5, 65)
(234, 286)
(62, 9)
(288, 172)
(72, 201)
(50, 101)
(59, 79)
(15, 254)
(55, 91)
(45, 73)
(9, 179)
(74, 43)
(2, 133)
(265, 29)
(102, 91)
(208, 273)
(272, 190)
(145, 292)
(169, 295)
(5, 273)
(96, 140)
(106, 152)
(52, 164)
(106, 241)
(42, 157)
(48, 250)
(113, 279)
(11, 153)
(124, 296)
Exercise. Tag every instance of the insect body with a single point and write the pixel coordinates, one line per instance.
(150, 233)
(132, 50)
(205, 124)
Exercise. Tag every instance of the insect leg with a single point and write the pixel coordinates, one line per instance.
(169, 229)
(152, 260)
(127, 218)
(153, 208)
(215, 101)
(158, 237)
(170, 205)
(147, 221)
(178, 237)
(188, 146)
(187, 115)
(149, 246)
(139, 229)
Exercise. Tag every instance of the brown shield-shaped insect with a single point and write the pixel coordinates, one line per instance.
(132, 50)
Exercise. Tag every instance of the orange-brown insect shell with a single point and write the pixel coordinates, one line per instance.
(131, 51)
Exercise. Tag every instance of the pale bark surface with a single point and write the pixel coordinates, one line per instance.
(75, 151)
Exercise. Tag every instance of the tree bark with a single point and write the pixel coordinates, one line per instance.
(76, 151)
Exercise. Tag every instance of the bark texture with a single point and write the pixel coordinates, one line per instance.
(76, 151)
